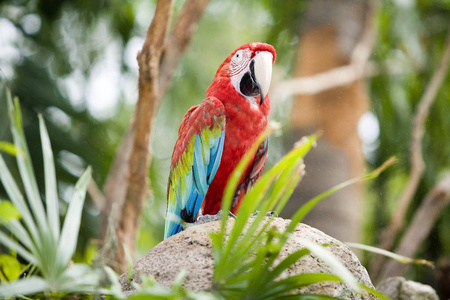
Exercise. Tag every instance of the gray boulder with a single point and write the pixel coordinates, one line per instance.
(191, 250)
(398, 288)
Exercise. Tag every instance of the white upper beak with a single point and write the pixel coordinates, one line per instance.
(263, 71)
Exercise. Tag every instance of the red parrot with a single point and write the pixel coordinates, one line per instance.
(214, 136)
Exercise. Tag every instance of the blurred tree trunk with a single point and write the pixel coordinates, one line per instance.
(331, 30)
(127, 185)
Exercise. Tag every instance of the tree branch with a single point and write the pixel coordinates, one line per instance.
(416, 158)
(148, 61)
(359, 67)
(421, 225)
(417, 163)
(179, 38)
(97, 196)
(314, 84)
(118, 184)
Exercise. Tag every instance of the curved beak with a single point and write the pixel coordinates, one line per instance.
(261, 71)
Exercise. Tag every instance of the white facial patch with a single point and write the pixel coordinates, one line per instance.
(261, 70)
(239, 61)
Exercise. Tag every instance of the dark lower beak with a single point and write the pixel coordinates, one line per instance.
(255, 82)
(261, 96)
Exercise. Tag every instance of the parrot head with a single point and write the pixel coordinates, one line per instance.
(248, 70)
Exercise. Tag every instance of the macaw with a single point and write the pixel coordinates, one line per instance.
(214, 136)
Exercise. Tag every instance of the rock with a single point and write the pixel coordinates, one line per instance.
(443, 277)
(192, 250)
(398, 288)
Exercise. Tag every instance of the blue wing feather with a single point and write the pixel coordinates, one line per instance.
(194, 203)
(199, 168)
(214, 163)
(191, 176)
(176, 229)
(204, 174)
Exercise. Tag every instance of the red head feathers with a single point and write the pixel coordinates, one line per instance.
(248, 69)
(215, 135)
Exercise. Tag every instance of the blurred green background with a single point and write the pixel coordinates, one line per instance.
(74, 62)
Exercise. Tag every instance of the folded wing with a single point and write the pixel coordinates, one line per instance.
(195, 160)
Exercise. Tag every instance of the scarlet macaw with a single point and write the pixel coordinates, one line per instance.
(215, 134)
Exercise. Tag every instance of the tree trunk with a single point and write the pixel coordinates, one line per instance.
(127, 184)
(332, 29)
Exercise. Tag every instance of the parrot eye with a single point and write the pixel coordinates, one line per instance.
(238, 56)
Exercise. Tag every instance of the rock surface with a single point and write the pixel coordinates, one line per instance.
(192, 250)
(398, 288)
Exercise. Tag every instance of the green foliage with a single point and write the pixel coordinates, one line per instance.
(286, 27)
(411, 38)
(150, 289)
(49, 249)
(71, 40)
(397, 257)
(245, 261)
(11, 268)
(50, 63)
(9, 148)
(40, 241)
(8, 212)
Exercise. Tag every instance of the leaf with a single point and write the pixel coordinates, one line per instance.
(114, 288)
(27, 286)
(51, 194)
(397, 257)
(178, 282)
(150, 289)
(336, 266)
(15, 246)
(69, 233)
(220, 249)
(306, 208)
(9, 149)
(79, 278)
(284, 286)
(38, 243)
(25, 167)
(17, 199)
(10, 267)
(236, 252)
(16, 228)
(285, 264)
(234, 179)
(241, 261)
(286, 182)
(307, 297)
(8, 212)
(374, 292)
(245, 260)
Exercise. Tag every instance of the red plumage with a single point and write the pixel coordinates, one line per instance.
(234, 113)
(244, 123)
